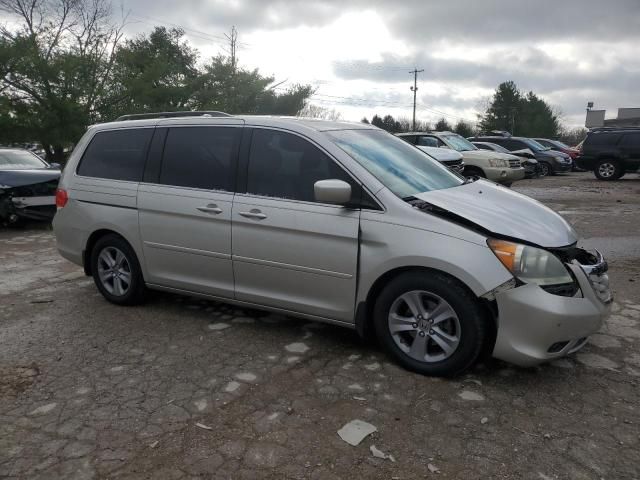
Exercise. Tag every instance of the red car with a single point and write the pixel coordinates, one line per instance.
(559, 146)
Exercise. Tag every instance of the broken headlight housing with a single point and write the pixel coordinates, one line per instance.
(531, 265)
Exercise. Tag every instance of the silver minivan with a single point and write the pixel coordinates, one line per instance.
(335, 222)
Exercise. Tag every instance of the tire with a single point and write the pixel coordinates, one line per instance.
(474, 171)
(124, 285)
(546, 169)
(608, 169)
(459, 325)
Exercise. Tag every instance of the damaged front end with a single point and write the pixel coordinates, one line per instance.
(24, 201)
(537, 323)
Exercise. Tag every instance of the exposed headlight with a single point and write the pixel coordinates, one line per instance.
(498, 163)
(530, 264)
(559, 158)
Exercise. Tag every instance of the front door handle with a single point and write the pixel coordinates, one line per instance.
(211, 208)
(254, 213)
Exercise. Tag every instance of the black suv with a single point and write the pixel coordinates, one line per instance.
(550, 161)
(610, 152)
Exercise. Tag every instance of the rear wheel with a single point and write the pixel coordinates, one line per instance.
(429, 323)
(608, 170)
(116, 271)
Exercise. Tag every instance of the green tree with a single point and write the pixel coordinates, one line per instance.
(377, 121)
(442, 126)
(55, 67)
(521, 114)
(463, 129)
(154, 72)
(223, 86)
(364, 120)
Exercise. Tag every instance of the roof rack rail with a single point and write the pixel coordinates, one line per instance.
(628, 127)
(146, 116)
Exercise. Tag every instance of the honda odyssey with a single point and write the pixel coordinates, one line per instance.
(336, 222)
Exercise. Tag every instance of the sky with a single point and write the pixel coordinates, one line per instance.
(358, 53)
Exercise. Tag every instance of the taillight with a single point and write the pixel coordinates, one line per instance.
(61, 198)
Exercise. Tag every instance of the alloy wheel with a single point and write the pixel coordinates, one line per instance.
(424, 326)
(544, 169)
(607, 170)
(114, 271)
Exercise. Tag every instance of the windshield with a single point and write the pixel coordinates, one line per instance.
(19, 159)
(459, 143)
(535, 146)
(497, 148)
(402, 168)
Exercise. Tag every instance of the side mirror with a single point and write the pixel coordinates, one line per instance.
(55, 166)
(332, 191)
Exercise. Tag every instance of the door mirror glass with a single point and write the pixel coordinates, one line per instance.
(332, 191)
(55, 166)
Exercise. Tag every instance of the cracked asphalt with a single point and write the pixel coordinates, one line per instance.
(182, 388)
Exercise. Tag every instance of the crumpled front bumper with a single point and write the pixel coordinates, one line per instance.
(535, 326)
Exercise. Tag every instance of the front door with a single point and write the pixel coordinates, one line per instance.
(185, 211)
(289, 251)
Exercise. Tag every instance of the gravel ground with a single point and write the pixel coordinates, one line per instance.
(181, 388)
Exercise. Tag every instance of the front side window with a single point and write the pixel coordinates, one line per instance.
(403, 169)
(284, 165)
(200, 157)
(116, 154)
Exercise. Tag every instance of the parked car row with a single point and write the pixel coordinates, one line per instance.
(496, 166)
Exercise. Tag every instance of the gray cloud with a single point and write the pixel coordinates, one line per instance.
(512, 31)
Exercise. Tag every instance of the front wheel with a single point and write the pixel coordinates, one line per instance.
(545, 169)
(116, 271)
(429, 323)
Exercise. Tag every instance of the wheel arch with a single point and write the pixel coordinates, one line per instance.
(364, 310)
(92, 240)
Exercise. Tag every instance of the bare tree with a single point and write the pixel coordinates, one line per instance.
(315, 111)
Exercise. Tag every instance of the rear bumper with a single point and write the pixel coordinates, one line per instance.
(535, 326)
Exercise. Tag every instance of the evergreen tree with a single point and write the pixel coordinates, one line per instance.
(442, 126)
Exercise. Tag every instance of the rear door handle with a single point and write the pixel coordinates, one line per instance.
(211, 208)
(254, 213)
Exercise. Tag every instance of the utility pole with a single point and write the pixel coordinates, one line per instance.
(233, 41)
(414, 89)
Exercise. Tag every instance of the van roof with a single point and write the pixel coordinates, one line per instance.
(293, 123)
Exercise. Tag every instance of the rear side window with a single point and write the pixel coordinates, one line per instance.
(116, 154)
(602, 139)
(631, 140)
(428, 141)
(200, 157)
(511, 144)
(286, 166)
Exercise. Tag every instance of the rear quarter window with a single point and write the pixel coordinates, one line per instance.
(116, 154)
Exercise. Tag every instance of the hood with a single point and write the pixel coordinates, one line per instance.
(558, 153)
(441, 154)
(504, 212)
(486, 155)
(20, 178)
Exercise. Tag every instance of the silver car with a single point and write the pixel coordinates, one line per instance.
(336, 222)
